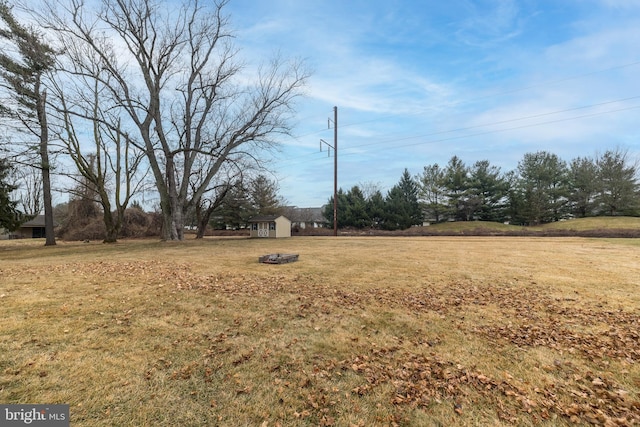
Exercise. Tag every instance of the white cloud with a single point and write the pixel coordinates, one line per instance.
(620, 4)
(489, 23)
(405, 75)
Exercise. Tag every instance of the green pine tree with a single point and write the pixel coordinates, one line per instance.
(24, 76)
(10, 217)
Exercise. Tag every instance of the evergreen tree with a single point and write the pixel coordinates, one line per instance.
(486, 193)
(618, 192)
(402, 207)
(24, 76)
(10, 218)
(376, 208)
(264, 198)
(541, 189)
(235, 210)
(356, 209)
(432, 192)
(582, 186)
(515, 201)
(456, 182)
(237, 203)
(343, 220)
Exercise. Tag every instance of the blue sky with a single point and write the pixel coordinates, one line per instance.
(416, 82)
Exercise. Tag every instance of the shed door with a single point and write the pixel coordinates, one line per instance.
(263, 229)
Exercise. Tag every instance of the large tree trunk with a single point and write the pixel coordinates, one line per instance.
(172, 218)
(111, 228)
(172, 206)
(200, 231)
(202, 219)
(177, 222)
(203, 215)
(112, 222)
(167, 220)
(49, 225)
(49, 232)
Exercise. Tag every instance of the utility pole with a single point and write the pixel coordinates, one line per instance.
(335, 165)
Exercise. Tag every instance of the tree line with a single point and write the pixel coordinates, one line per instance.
(81, 218)
(543, 188)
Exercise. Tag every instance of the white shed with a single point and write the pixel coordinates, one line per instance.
(270, 226)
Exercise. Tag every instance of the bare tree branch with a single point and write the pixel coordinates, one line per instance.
(175, 77)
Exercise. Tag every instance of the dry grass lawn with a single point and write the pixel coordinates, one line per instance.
(358, 332)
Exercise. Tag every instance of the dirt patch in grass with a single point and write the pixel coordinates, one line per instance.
(473, 331)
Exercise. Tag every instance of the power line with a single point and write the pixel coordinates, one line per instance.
(517, 127)
(387, 141)
(546, 82)
(503, 130)
(497, 94)
(534, 116)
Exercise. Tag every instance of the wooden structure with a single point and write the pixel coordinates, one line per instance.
(270, 226)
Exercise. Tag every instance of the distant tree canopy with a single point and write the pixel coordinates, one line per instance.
(543, 188)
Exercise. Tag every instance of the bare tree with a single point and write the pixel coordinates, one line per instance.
(213, 198)
(179, 81)
(207, 204)
(105, 157)
(29, 189)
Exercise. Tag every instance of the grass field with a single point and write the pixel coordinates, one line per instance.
(577, 224)
(367, 331)
(606, 227)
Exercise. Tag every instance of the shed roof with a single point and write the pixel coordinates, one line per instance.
(265, 218)
(36, 222)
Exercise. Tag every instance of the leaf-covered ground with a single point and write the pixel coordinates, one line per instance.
(288, 346)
